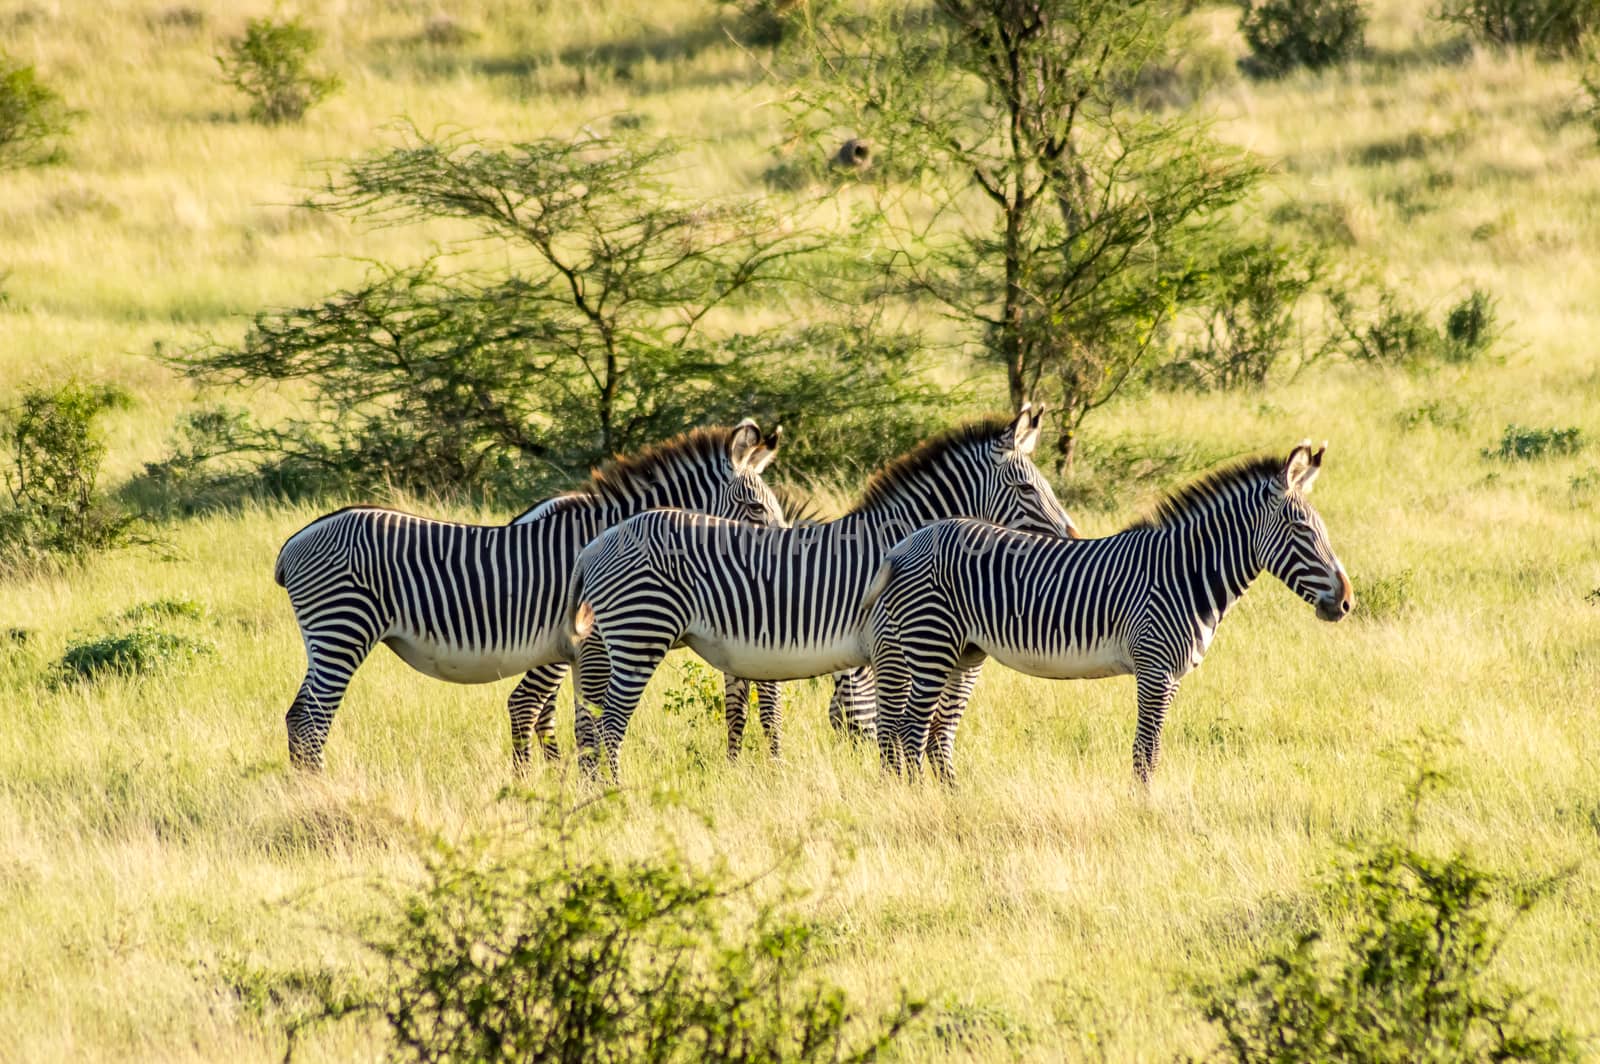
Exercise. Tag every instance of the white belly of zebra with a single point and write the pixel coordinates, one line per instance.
(1074, 663)
(437, 658)
(754, 662)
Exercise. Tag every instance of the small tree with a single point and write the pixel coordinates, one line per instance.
(599, 339)
(1067, 222)
(271, 64)
(52, 473)
(32, 117)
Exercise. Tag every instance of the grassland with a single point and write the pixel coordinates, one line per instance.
(150, 831)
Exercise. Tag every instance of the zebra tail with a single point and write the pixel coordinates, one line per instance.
(880, 581)
(278, 570)
(580, 615)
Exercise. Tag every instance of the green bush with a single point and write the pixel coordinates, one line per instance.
(271, 64)
(52, 471)
(1380, 598)
(1248, 322)
(698, 692)
(527, 946)
(1469, 327)
(1556, 27)
(1285, 34)
(33, 117)
(164, 609)
(1400, 970)
(1520, 443)
(132, 653)
(1395, 334)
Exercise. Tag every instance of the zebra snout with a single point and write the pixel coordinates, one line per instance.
(1335, 605)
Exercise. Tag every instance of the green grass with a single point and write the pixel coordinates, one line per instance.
(152, 838)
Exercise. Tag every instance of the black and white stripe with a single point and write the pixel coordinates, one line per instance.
(778, 604)
(478, 603)
(1145, 601)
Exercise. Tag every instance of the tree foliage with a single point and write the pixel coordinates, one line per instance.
(33, 117)
(595, 333)
(1067, 222)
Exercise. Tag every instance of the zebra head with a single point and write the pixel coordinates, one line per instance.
(744, 495)
(1292, 542)
(1017, 495)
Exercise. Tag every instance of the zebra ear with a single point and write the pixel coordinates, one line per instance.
(742, 442)
(1023, 434)
(1300, 469)
(764, 454)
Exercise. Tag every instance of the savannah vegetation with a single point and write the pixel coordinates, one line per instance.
(1370, 224)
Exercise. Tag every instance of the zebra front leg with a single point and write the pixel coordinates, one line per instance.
(852, 709)
(533, 712)
(769, 703)
(736, 711)
(1156, 690)
(947, 716)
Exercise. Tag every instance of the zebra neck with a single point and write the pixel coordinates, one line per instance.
(1212, 561)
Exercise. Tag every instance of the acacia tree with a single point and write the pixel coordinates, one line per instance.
(1067, 225)
(590, 334)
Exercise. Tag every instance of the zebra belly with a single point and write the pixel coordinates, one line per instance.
(754, 662)
(432, 657)
(1074, 663)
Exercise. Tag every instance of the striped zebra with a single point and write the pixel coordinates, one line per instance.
(478, 603)
(1145, 601)
(779, 603)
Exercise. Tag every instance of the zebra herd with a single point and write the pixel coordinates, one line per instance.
(956, 551)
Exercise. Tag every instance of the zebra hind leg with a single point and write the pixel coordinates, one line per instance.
(533, 712)
(328, 670)
(947, 716)
(735, 711)
(628, 680)
(589, 684)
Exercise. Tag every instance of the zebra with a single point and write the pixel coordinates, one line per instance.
(477, 603)
(778, 603)
(1145, 601)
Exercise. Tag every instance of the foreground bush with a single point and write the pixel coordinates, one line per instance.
(51, 472)
(1285, 34)
(1400, 971)
(528, 947)
(33, 117)
(271, 64)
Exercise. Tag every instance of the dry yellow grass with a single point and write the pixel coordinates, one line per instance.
(150, 832)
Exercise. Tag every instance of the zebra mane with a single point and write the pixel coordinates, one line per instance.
(799, 508)
(1183, 501)
(927, 455)
(623, 476)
